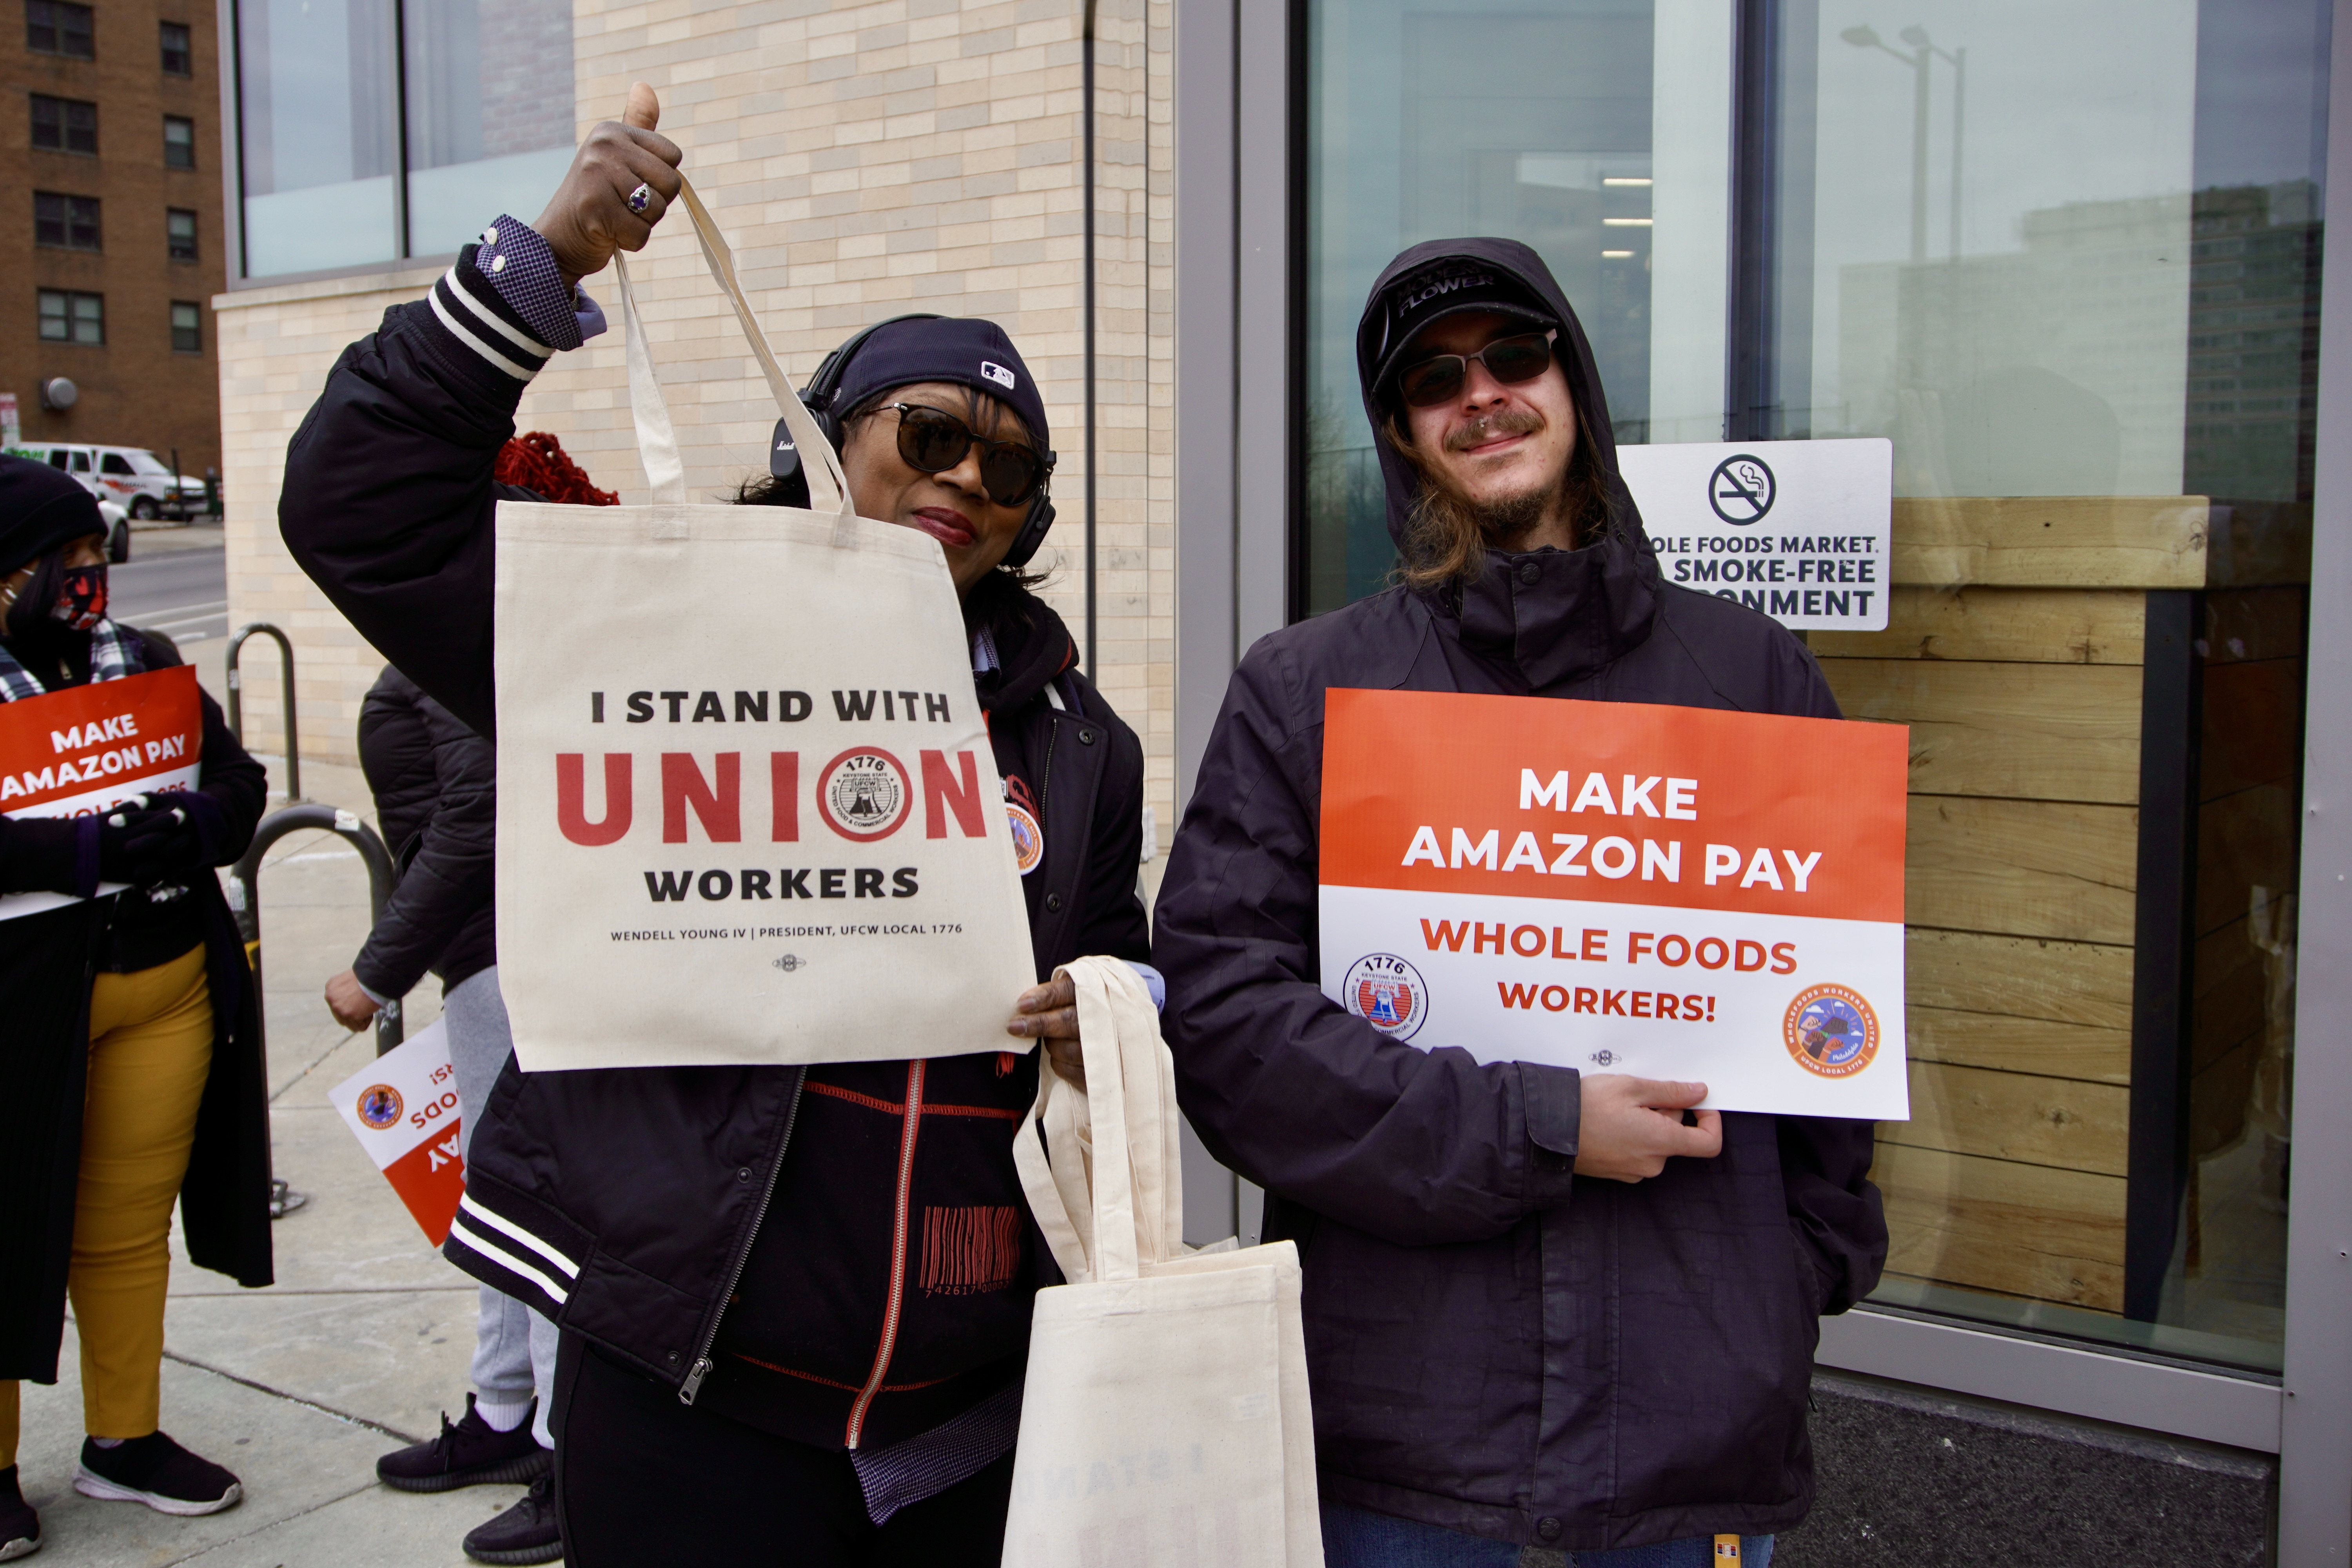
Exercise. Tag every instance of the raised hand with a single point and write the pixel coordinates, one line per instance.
(621, 182)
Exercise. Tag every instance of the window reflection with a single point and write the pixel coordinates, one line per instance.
(315, 102)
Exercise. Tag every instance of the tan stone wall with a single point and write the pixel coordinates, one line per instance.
(865, 159)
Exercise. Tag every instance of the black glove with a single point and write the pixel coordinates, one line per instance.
(170, 833)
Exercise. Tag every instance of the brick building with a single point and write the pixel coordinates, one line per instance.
(110, 181)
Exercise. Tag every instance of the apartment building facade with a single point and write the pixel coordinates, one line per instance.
(110, 164)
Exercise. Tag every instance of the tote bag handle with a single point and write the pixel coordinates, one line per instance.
(1113, 1198)
(657, 440)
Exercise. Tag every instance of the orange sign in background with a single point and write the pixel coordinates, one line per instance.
(88, 748)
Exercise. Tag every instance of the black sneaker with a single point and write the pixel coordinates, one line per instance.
(20, 1527)
(524, 1533)
(158, 1472)
(469, 1454)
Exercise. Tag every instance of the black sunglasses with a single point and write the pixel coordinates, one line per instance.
(1510, 360)
(935, 441)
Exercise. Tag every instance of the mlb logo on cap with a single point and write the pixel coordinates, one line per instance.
(997, 374)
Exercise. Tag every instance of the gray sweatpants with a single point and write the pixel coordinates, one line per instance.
(514, 1347)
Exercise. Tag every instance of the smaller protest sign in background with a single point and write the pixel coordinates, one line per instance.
(1795, 529)
(1615, 887)
(403, 1108)
(88, 749)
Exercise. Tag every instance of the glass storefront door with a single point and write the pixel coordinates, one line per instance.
(2065, 255)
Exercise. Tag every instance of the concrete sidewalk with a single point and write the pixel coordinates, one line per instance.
(357, 1349)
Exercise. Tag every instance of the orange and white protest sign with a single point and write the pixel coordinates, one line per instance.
(1671, 893)
(403, 1108)
(89, 748)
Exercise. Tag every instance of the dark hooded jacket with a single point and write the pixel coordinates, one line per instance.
(48, 962)
(838, 1255)
(436, 787)
(1495, 1345)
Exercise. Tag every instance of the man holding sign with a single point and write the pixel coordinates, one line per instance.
(1548, 1302)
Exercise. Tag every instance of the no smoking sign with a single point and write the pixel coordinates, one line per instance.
(1797, 530)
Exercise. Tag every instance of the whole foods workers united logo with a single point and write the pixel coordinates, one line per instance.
(1832, 1031)
(864, 794)
(1387, 992)
(379, 1105)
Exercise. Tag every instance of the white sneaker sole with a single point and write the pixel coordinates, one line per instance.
(90, 1484)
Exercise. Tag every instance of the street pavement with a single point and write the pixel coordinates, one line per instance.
(175, 583)
(362, 1342)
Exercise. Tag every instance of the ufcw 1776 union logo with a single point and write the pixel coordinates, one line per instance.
(864, 793)
(1387, 992)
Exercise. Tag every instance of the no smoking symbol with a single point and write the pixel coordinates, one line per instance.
(1741, 489)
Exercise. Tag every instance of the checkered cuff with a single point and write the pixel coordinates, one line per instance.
(521, 268)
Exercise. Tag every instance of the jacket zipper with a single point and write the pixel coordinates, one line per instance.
(898, 1253)
(700, 1366)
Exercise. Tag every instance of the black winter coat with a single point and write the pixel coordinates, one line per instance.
(737, 1233)
(436, 798)
(47, 962)
(1495, 1345)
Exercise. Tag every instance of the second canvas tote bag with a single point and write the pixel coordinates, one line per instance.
(747, 808)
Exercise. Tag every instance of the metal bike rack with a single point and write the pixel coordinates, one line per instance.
(244, 890)
(286, 692)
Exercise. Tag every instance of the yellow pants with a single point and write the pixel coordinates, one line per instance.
(151, 1045)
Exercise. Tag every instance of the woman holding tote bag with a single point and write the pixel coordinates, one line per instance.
(811, 1290)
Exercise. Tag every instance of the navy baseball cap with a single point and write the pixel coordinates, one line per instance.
(1448, 286)
(964, 350)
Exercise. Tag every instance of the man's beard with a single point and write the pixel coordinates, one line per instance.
(1498, 518)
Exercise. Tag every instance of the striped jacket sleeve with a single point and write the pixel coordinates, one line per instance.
(389, 498)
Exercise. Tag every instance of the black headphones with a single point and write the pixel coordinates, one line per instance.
(785, 459)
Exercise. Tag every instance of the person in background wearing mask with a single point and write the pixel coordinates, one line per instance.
(1543, 1308)
(436, 787)
(795, 1304)
(131, 1066)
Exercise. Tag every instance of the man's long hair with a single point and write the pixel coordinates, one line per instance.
(1446, 536)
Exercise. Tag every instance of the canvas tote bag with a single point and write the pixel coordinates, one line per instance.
(747, 808)
(1165, 1418)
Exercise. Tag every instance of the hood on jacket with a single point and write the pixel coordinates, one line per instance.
(1556, 614)
(1032, 645)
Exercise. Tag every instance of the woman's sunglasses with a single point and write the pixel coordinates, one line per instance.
(1510, 360)
(935, 441)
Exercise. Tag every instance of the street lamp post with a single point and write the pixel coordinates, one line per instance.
(1921, 58)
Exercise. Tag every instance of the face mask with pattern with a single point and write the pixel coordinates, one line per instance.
(81, 597)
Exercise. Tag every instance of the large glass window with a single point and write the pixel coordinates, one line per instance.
(2065, 255)
(490, 113)
(318, 127)
(340, 172)
(1598, 131)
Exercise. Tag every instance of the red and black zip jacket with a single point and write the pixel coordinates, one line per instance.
(825, 1255)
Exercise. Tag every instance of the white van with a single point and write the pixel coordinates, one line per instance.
(132, 477)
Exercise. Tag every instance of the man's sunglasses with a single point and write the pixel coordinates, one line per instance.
(1511, 360)
(935, 441)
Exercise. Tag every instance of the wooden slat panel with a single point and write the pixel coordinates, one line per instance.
(2015, 1116)
(2050, 541)
(2063, 982)
(2037, 731)
(2039, 626)
(1996, 1225)
(2022, 868)
(2018, 1044)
